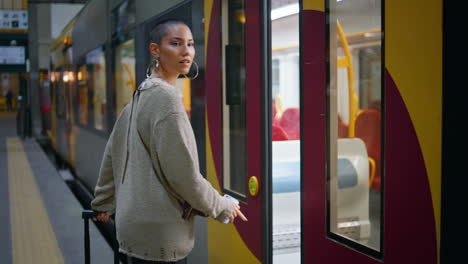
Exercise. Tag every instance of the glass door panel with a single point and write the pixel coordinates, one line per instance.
(234, 98)
(354, 124)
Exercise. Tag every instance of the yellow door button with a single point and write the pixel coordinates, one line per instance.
(253, 186)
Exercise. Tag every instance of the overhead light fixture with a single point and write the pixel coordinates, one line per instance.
(284, 11)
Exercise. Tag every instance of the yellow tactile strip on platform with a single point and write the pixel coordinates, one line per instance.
(32, 237)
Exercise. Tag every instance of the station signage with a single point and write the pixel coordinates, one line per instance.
(12, 55)
(13, 19)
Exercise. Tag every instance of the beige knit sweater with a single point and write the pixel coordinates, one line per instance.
(147, 195)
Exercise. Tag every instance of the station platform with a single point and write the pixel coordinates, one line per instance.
(40, 218)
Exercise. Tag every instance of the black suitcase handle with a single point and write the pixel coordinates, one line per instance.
(86, 215)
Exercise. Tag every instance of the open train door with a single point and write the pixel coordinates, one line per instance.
(341, 213)
(347, 216)
(253, 128)
(235, 131)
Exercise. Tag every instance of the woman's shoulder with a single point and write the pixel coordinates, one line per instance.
(156, 84)
(161, 92)
(124, 113)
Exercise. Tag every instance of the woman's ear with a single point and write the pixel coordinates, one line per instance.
(154, 50)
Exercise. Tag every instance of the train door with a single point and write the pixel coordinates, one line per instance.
(61, 101)
(254, 141)
(341, 93)
(236, 126)
(358, 139)
(70, 91)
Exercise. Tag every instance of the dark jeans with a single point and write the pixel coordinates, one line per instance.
(132, 260)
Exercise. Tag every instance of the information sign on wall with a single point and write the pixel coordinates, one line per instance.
(12, 55)
(13, 19)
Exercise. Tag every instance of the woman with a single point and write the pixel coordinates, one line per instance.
(149, 175)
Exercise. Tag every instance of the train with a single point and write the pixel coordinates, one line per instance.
(311, 113)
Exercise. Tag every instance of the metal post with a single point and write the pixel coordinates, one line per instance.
(116, 246)
(86, 241)
(86, 214)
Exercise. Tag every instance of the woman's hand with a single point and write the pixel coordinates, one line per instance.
(237, 213)
(102, 217)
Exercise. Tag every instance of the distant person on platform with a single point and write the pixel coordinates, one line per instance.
(9, 101)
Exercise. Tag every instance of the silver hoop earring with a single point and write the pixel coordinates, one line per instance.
(148, 71)
(154, 65)
(196, 73)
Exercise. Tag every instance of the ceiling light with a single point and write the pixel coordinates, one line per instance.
(284, 11)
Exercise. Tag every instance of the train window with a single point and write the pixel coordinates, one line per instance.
(354, 124)
(124, 16)
(124, 73)
(234, 104)
(82, 79)
(286, 154)
(96, 66)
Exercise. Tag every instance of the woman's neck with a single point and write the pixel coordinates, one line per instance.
(166, 77)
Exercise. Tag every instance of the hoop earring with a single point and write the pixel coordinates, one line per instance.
(154, 65)
(196, 74)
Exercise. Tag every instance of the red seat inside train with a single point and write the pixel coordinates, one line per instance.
(278, 133)
(368, 128)
(290, 123)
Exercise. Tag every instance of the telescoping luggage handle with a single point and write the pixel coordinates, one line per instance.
(86, 215)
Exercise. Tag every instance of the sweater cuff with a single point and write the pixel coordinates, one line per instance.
(105, 208)
(228, 208)
(223, 216)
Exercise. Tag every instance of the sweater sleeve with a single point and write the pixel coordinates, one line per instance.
(173, 147)
(104, 192)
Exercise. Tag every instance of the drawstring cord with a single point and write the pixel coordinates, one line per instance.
(136, 94)
(127, 154)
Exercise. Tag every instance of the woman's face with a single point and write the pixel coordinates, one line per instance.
(176, 50)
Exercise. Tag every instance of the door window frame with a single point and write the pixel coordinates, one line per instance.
(330, 235)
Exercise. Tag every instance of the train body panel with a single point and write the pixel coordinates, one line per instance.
(323, 121)
(405, 171)
(415, 66)
(89, 156)
(62, 93)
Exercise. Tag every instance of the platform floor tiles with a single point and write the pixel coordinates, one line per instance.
(40, 219)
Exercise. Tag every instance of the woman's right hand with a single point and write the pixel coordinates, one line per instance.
(237, 213)
(102, 217)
